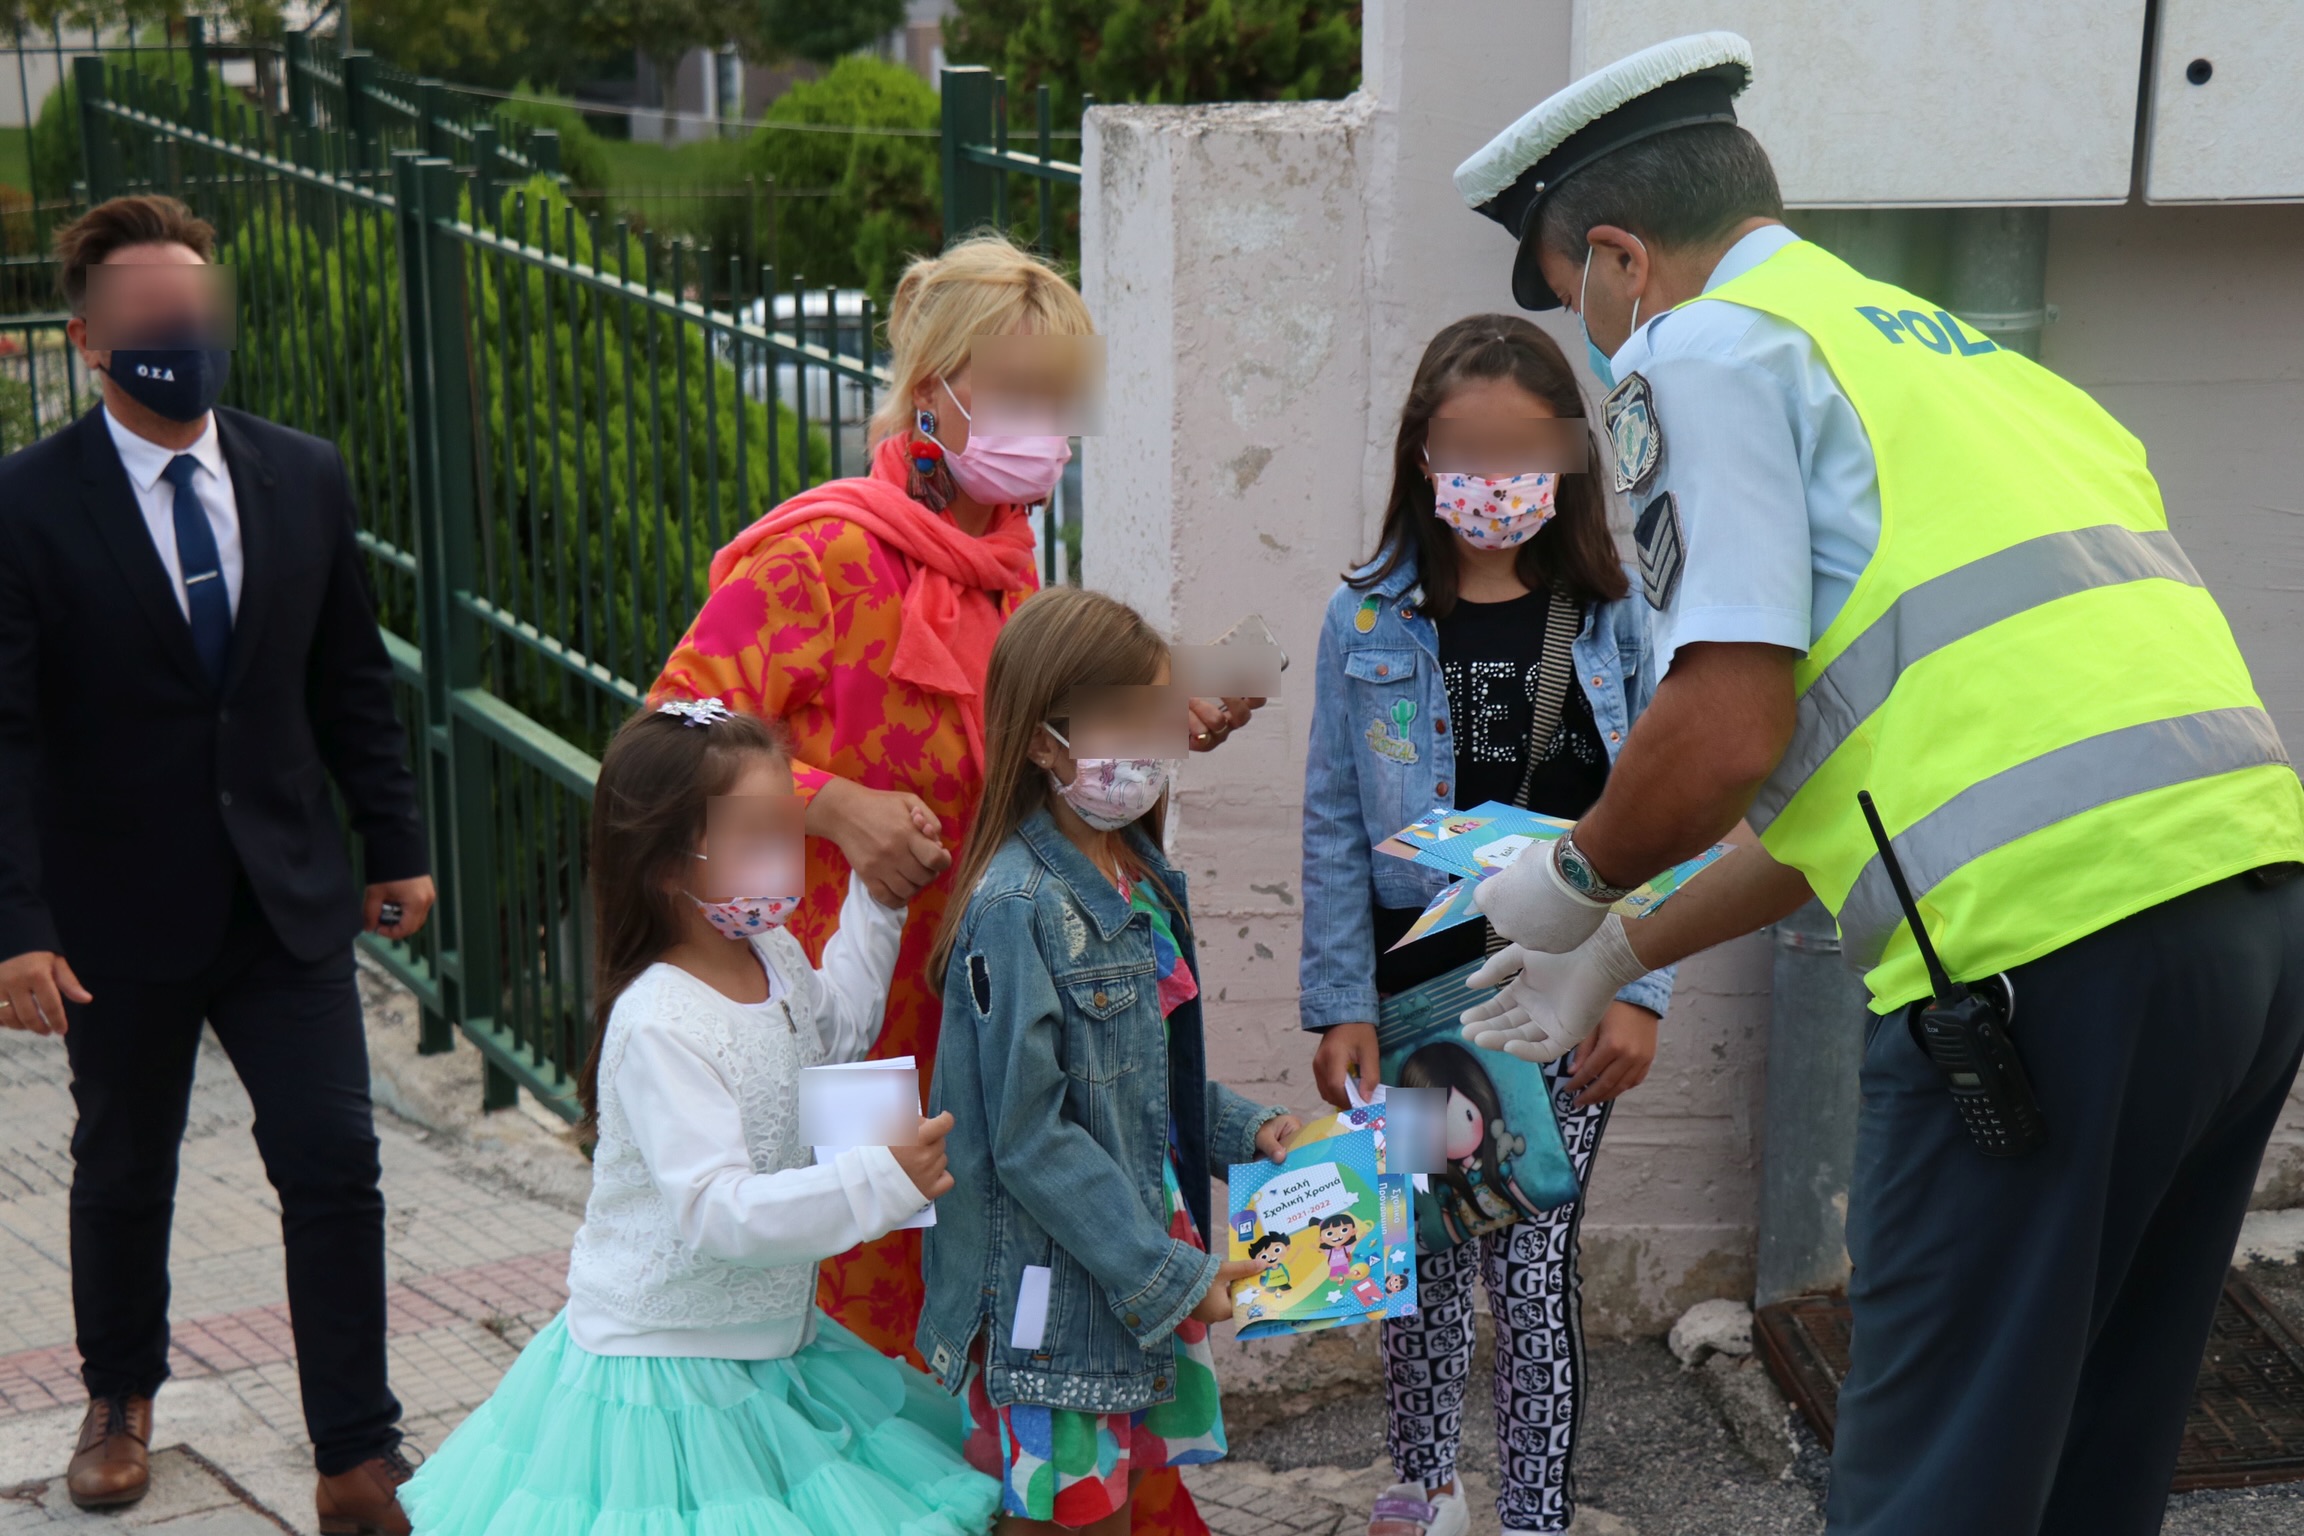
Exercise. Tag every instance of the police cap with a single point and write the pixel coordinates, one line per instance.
(1677, 84)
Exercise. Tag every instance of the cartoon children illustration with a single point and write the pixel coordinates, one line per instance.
(1477, 1143)
(1395, 1283)
(1339, 1234)
(1269, 1250)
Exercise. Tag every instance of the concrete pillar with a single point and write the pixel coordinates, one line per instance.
(1221, 251)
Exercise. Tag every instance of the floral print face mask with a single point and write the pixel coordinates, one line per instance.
(742, 917)
(1111, 792)
(1494, 513)
(747, 915)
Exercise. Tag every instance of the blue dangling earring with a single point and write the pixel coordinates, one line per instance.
(931, 482)
(926, 451)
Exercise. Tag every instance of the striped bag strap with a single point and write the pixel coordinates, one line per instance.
(1555, 675)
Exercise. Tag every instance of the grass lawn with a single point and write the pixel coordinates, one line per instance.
(656, 185)
(16, 158)
(705, 163)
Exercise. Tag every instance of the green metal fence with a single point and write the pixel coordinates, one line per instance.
(548, 440)
(550, 423)
(977, 167)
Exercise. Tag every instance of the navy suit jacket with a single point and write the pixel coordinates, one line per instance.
(133, 792)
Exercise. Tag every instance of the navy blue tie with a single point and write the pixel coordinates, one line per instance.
(203, 570)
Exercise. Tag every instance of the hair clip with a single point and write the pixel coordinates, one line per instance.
(697, 711)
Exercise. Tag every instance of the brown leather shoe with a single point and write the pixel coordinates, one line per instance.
(365, 1501)
(111, 1466)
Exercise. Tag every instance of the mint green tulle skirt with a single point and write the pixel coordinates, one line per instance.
(836, 1439)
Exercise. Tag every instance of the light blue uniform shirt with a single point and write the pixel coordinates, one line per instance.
(1779, 495)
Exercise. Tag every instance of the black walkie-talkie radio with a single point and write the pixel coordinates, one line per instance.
(1964, 1030)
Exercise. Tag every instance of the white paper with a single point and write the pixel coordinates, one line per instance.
(826, 1153)
(1031, 1308)
(861, 1103)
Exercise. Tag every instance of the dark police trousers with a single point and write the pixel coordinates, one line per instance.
(2028, 1330)
(293, 1031)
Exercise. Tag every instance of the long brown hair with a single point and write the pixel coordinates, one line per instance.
(1574, 548)
(647, 821)
(1059, 640)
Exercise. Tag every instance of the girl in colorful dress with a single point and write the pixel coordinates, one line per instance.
(1070, 1286)
(1491, 648)
(690, 1384)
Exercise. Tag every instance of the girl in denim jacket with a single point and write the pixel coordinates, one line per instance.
(1085, 1129)
(1428, 667)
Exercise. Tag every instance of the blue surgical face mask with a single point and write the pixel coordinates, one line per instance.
(179, 383)
(1602, 368)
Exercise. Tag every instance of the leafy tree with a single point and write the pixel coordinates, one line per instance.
(461, 39)
(663, 30)
(884, 205)
(38, 15)
(826, 31)
(1163, 50)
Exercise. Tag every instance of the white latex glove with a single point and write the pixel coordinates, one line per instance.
(1550, 1002)
(1532, 906)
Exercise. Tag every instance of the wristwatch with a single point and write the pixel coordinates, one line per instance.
(1582, 878)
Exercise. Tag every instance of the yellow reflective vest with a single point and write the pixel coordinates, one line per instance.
(2046, 704)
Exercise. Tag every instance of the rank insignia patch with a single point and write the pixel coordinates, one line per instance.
(1635, 440)
(1663, 549)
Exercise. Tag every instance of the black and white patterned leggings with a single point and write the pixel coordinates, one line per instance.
(1530, 1271)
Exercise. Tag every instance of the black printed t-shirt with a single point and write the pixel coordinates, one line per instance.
(1491, 656)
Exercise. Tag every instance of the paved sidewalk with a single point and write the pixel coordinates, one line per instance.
(476, 1268)
(481, 1213)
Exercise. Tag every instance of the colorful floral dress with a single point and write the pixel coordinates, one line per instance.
(1072, 1467)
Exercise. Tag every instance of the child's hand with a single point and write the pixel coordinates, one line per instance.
(1216, 1303)
(1346, 1051)
(1272, 1137)
(924, 1161)
(1617, 1057)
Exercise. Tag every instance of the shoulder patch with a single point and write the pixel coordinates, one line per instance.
(1663, 549)
(1635, 438)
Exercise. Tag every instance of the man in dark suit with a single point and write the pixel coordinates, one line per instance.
(188, 655)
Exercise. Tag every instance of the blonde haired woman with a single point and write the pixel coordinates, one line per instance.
(861, 614)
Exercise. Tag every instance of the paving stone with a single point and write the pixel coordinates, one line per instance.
(189, 1497)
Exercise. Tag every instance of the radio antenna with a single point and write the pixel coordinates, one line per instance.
(1946, 995)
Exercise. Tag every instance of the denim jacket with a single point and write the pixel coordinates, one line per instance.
(1375, 767)
(1061, 1091)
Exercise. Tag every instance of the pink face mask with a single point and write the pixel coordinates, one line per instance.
(1003, 469)
(1495, 513)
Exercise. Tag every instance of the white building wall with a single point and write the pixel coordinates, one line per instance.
(1268, 276)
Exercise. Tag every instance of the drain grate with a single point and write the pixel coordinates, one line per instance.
(2247, 1421)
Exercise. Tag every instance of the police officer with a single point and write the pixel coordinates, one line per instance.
(1885, 554)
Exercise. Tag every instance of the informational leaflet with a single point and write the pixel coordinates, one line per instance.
(1332, 1231)
(1475, 844)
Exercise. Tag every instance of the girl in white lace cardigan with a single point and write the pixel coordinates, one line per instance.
(690, 1383)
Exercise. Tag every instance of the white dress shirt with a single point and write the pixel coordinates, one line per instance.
(147, 463)
(1779, 496)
